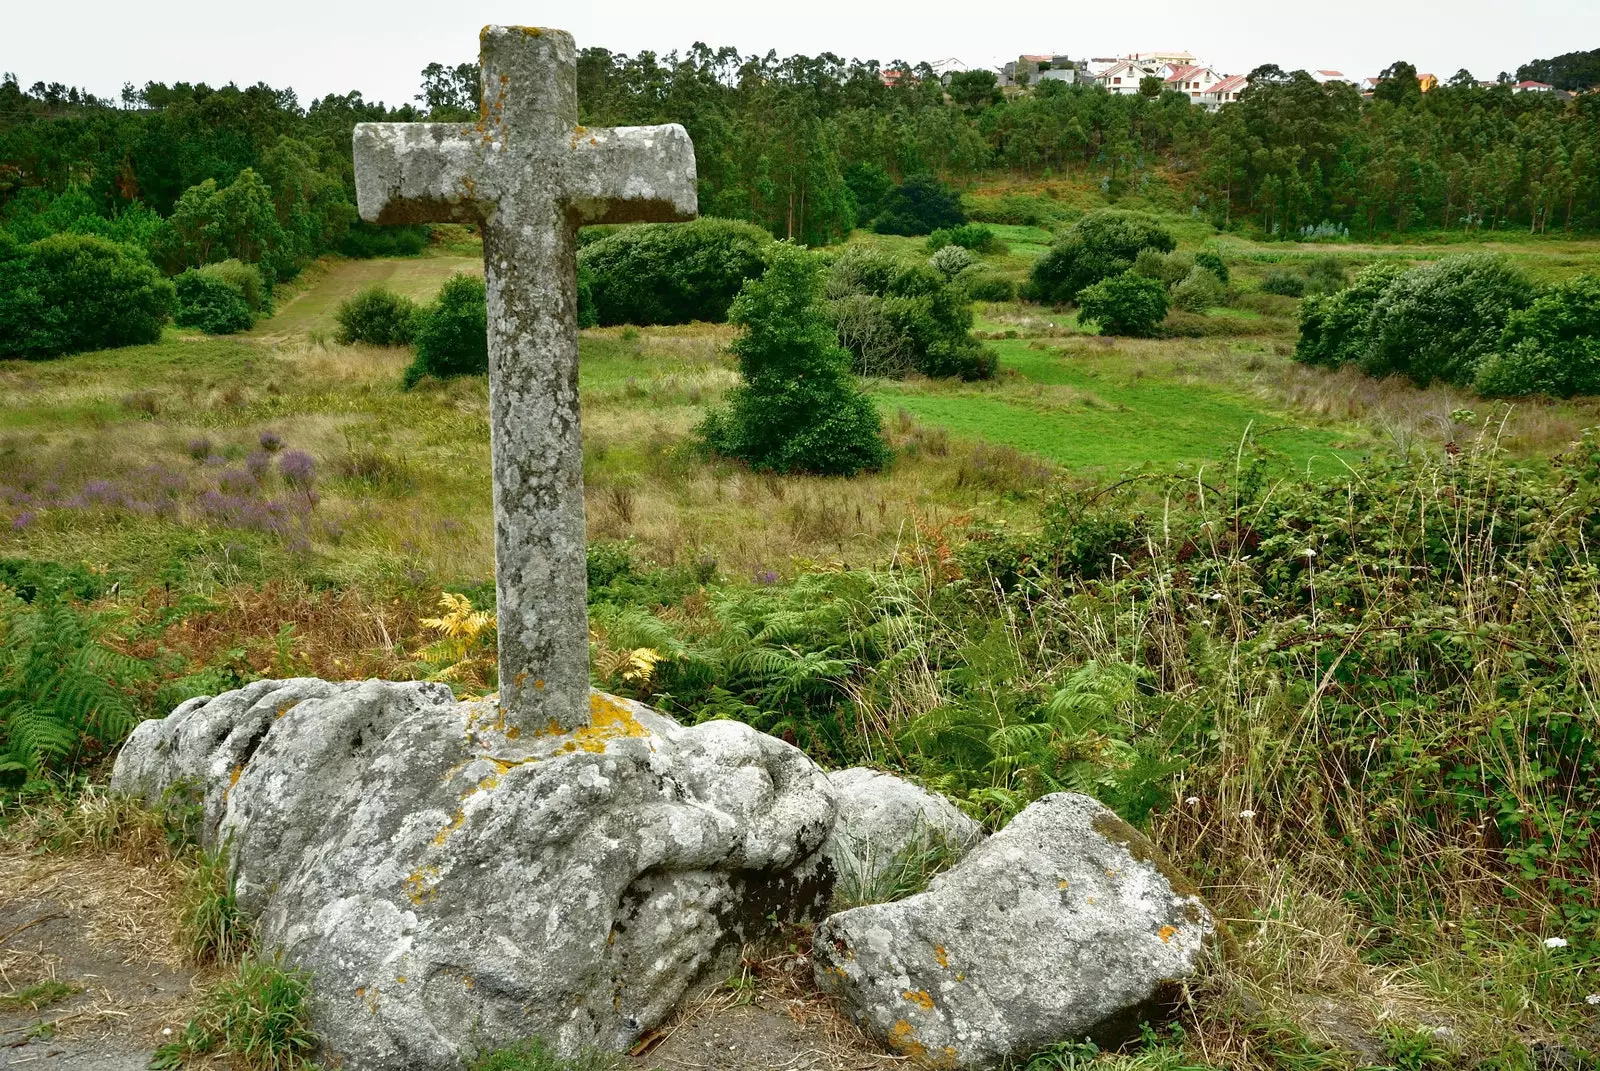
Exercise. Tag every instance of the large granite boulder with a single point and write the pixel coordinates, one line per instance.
(452, 884)
(888, 829)
(1063, 925)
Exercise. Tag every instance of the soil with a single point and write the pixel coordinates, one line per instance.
(105, 928)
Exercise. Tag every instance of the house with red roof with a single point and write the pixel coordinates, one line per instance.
(1190, 79)
(1532, 87)
(1223, 92)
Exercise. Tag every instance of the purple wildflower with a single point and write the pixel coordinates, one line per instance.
(259, 463)
(766, 577)
(200, 448)
(23, 519)
(270, 442)
(296, 467)
(238, 481)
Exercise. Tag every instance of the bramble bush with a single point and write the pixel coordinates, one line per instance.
(1284, 283)
(1102, 244)
(1126, 304)
(1334, 330)
(982, 285)
(72, 292)
(452, 333)
(1198, 291)
(897, 316)
(798, 409)
(671, 273)
(377, 316)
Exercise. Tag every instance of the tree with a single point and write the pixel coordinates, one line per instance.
(450, 94)
(974, 90)
(1125, 304)
(73, 292)
(1550, 347)
(1102, 244)
(1439, 320)
(799, 409)
(1150, 86)
(211, 224)
(452, 334)
(920, 205)
(1398, 83)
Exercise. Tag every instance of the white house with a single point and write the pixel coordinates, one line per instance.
(1324, 77)
(1189, 79)
(1123, 77)
(1533, 87)
(1225, 91)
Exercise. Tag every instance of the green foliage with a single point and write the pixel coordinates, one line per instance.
(1099, 246)
(798, 410)
(919, 205)
(865, 879)
(1284, 283)
(37, 996)
(534, 1054)
(214, 929)
(1550, 347)
(69, 292)
(897, 317)
(1335, 330)
(1325, 275)
(452, 334)
(64, 694)
(869, 187)
(1125, 304)
(211, 223)
(377, 316)
(212, 303)
(1213, 263)
(1198, 291)
(1168, 268)
(259, 1018)
(951, 260)
(672, 273)
(983, 285)
(1439, 320)
(364, 240)
(973, 236)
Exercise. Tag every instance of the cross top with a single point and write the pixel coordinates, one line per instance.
(528, 174)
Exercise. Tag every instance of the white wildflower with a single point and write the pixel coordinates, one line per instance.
(1193, 801)
(1309, 553)
(1247, 814)
(1555, 942)
(1592, 998)
(1216, 595)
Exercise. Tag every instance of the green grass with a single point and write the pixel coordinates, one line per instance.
(259, 1018)
(311, 306)
(37, 996)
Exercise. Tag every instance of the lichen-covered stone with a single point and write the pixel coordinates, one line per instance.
(452, 881)
(885, 823)
(1065, 924)
(529, 175)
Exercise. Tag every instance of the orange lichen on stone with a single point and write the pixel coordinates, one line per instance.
(609, 720)
(903, 1038)
(287, 707)
(531, 31)
(1166, 933)
(940, 955)
(400, 978)
(420, 884)
(1063, 883)
(920, 998)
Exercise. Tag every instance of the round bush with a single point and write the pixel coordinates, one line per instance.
(211, 303)
(452, 334)
(1439, 320)
(1199, 291)
(973, 236)
(1101, 245)
(897, 316)
(245, 278)
(920, 205)
(73, 292)
(1213, 263)
(672, 273)
(1337, 330)
(1125, 304)
(1284, 283)
(952, 260)
(377, 316)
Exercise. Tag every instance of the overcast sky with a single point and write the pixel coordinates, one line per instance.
(323, 46)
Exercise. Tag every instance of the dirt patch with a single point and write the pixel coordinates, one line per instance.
(91, 973)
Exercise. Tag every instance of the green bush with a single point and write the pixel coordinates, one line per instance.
(920, 205)
(1101, 245)
(1125, 304)
(799, 409)
(452, 334)
(1199, 291)
(951, 260)
(1336, 330)
(1169, 269)
(1551, 347)
(1284, 283)
(72, 292)
(983, 285)
(1213, 263)
(869, 185)
(364, 240)
(672, 273)
(973, 236)
(245, 278)
(1439, 320)
(1325, 275)
(377, 316)
(897, 317)
(209, 301)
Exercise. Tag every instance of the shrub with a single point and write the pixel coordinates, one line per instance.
(245, 278)
(260, 1017)
(1213, 263)
(798, 410)
(973, 236)
(452, 334)
(1550, 347)
(920, 205)
(370, 240)
(378, 316)
(898, 316)
(1284, 283)
(1169, 269)
(1125, 304)
(869, 185)
(1099, 246)
(1439, 320)
(951, 261)
(1336, 330)
(672, 273)
(1325, 275)
(987, 285)
(72, 292)
(212, 303)
(1199, 291)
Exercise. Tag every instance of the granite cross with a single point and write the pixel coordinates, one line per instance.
(529, 175)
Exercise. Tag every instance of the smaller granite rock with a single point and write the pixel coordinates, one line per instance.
(888, 828)
(1064, 925)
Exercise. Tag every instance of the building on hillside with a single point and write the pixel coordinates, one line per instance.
(1156, 59)
(1027, 70)
(1427, 82)
(1190, 79)
(894, 76)
(1224, 92)
(1123, 77)
(1532, 87)
(1324, 77)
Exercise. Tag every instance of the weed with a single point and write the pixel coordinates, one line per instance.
(535, 1054)
(259, 1018)
(216, 931)
(38, 995)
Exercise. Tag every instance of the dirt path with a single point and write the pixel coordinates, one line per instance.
(90, 971)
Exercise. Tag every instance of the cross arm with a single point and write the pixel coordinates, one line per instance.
(632, 174)
(419, 172)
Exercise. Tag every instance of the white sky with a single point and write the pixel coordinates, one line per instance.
(378, 46)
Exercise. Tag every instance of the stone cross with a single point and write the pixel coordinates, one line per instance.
(529, 175)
